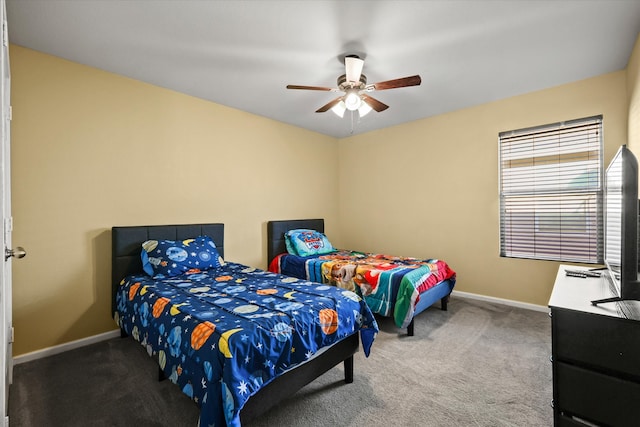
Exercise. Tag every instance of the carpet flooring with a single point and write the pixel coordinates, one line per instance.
(477, 364)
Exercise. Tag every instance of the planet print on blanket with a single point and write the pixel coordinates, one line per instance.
(328, 319)
(281, 331)
(246, 309)
(269, 291)
(288, 306)
(351, 295)
(177, 254)
(204, 256)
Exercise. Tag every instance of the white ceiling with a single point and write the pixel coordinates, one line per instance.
(242, 54)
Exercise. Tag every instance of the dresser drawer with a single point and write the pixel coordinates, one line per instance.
(606, 343)
(596, 397)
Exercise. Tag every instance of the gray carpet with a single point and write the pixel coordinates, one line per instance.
(477, 364)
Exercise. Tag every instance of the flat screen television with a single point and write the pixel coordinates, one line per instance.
(621, 226)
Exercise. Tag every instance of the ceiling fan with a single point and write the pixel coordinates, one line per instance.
(354, 85)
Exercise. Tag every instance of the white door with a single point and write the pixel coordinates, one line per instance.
(6, 329)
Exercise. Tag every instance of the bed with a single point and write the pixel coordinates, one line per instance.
(235, 339)
(397, 287)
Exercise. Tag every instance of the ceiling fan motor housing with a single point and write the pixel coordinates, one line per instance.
(343, 84)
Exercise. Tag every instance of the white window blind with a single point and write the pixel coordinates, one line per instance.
(551, 192)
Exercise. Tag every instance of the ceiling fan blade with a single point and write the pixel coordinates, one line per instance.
(374, 103)
(353, 67)
(392, 84)
(329, 105)
(328, 89)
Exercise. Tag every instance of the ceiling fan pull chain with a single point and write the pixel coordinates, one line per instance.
(352, 126)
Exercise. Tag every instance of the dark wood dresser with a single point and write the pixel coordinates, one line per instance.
(595, 354)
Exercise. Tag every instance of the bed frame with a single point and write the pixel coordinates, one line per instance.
(126, 246)
(276, 245)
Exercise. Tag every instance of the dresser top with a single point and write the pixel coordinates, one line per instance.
(576, 293)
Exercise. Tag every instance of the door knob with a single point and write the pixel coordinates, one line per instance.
(18, 252)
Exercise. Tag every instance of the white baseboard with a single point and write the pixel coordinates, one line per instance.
(50, 351)
(512, 303)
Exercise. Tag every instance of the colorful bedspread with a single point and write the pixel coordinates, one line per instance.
(223, 334)
(390, 285)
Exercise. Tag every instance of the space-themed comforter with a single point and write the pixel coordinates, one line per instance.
(390, 285)
(224, 333)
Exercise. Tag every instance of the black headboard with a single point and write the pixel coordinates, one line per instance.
(276, 230)
(126, 244)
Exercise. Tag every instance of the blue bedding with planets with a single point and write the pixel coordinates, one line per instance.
(223, 333)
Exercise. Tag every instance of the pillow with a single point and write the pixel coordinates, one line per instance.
(168, 258)
(303, 242)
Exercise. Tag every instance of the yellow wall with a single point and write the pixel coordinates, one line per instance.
(92, 150)
(430, 188)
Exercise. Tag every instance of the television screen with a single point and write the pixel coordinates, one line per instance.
(613, 217)
(621, 226)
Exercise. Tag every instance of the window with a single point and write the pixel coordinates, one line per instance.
(551, 192)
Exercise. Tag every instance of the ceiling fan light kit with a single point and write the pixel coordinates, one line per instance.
(352, 100)
(364, 109)
(339, 109)
(354, 85)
